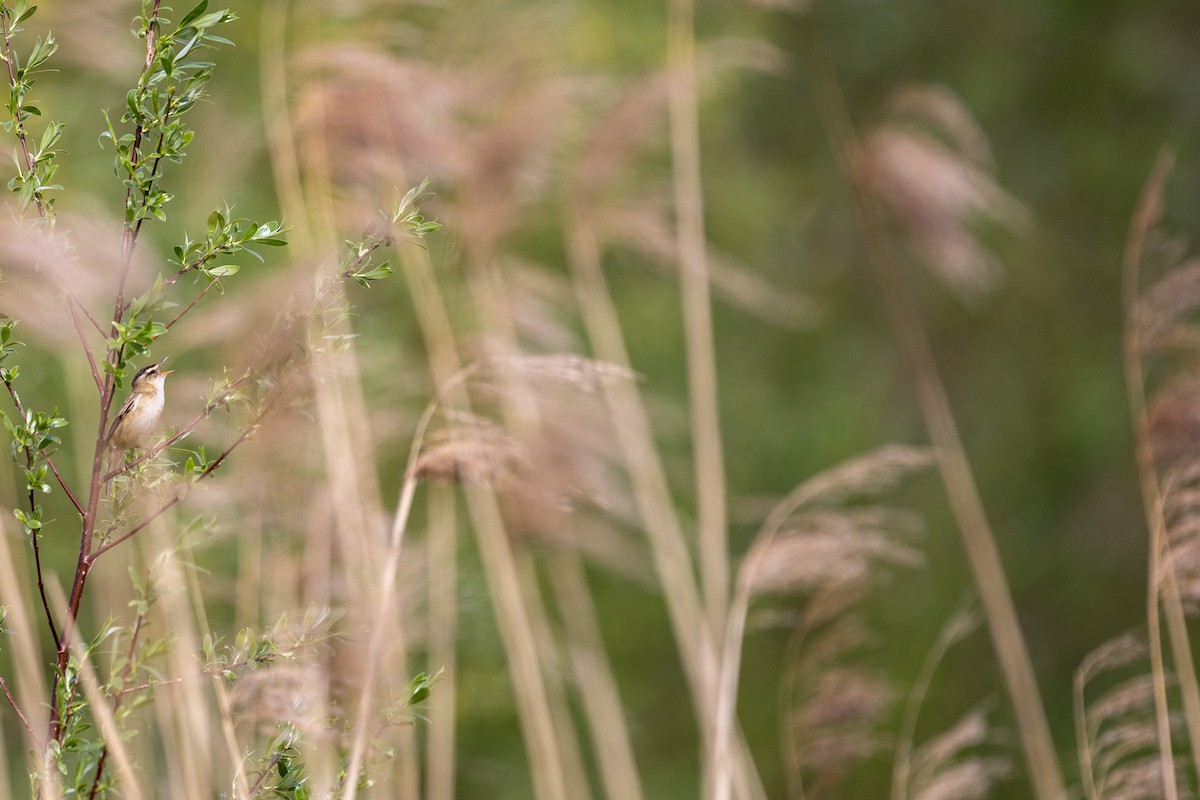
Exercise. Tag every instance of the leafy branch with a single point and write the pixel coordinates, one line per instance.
(36, 166)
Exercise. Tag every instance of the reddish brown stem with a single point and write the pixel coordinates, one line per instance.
(20, 714)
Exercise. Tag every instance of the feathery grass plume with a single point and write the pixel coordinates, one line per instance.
(640, 218)
(54, 277)
(1164, 314)
(811, 543)
(1149, 316)
(584, 374)
(95, 41)
(823, 547)
(484, 120)
(872, 473)
(1174, 423)
(1181, 513)
(560, 482)
(957, 764)
(643, 225)
(928, 162)
(960, 625)
(1115, 724)
(831, 706)
(472, 450)
(286, 694)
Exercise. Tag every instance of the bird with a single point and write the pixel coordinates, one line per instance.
(141, 410)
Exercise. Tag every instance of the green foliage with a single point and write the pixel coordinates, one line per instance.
(283, 774)
(36, 166)
(170, 85)
(151, 132)
(402, 221)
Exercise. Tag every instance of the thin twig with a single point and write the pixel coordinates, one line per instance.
(190, 305)
(207, 471)
(218, 402)
(72, 302)
(34, 537)
(63, 484)
(20, 714)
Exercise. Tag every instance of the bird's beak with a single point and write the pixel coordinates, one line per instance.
(164, 371)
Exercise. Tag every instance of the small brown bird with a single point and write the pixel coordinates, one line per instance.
(138, 416)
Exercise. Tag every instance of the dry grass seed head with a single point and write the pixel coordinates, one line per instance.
(80, 258)
(539, 302)
(643, 225)
(285, 694)
(923, 163)
(834, 726)
(1139, 779)
(473, 451)
(973, 779)
(1161, 314)
(571, 371)
(1115, 654)
(1174, 422)
(1181, 509)
(1132, 696)
(832, 547)
(869, 474)
(951, 766)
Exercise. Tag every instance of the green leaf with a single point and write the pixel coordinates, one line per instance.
(193, 14)
(223, 271)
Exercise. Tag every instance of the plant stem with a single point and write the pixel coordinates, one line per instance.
(697, 312)
(978, 541)
(1160, 572)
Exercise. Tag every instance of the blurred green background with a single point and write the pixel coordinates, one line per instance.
(1077, 99)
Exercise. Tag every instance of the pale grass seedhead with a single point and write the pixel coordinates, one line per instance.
(634, 120)
(833, 547)
(484, 126)
(47, 272)
(873, 473)
(364, 109)
(1174, 423)
(1164, 314)
(1119, 740)
(927, 164)
(1138, 779)
(286, 694)
(842, 701)
(472, 450)
(1113, 655)
(634, 123)
(956, 765)
(643, 225)
(832, 709)
(968, 780)
(811, 542)
(1181, 513)
(540, 301)
(560, 482)
(944, 114)
(567, 370)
